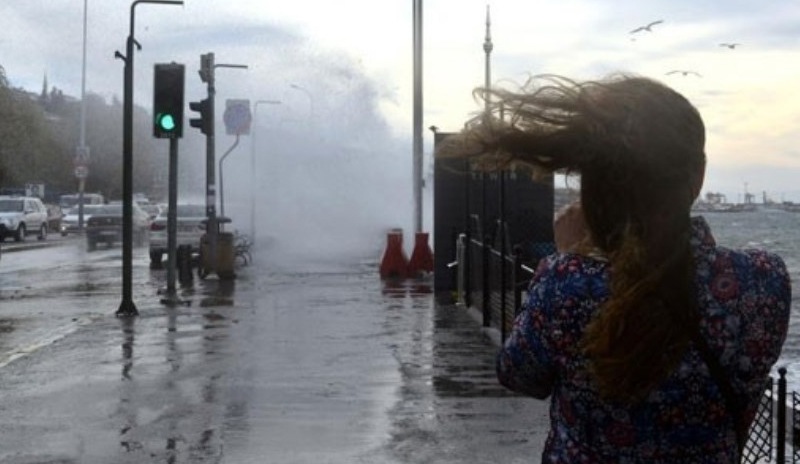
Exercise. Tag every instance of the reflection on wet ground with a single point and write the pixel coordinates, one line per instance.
(330, 366)
(451, 408)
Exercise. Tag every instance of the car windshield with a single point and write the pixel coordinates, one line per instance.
(87, 209)
(11, 205)
(110, 210)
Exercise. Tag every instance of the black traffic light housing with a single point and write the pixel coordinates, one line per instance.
(204, 122)
(168, 87)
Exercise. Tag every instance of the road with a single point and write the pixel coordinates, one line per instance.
(289, 363)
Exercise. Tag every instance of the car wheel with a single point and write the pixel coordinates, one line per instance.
(155, 257)
(21, 232)
(42, 232)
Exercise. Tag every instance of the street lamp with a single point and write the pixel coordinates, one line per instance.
(253, 165)
(310, 101)
(127, 307)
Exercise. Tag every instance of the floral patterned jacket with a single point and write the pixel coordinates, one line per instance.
(744, 298)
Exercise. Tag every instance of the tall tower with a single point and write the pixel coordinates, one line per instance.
(487, 48)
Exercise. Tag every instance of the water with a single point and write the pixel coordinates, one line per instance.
(775, 231)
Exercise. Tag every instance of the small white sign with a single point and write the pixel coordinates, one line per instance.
(81, 172)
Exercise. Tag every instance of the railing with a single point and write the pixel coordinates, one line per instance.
(495, 282)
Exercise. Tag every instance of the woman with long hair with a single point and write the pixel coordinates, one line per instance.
(652, 342)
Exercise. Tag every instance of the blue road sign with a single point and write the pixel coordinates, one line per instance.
(237, 117)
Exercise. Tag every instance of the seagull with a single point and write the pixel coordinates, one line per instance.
(729, 45)
(684, 72)
(647, 28)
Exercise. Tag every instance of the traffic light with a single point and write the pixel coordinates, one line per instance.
(168, 100)
(204, 122)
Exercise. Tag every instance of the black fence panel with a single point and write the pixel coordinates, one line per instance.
(487, 207)
(758, 447)
(450, 202)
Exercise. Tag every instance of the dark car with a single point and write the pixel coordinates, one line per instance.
(105, 226)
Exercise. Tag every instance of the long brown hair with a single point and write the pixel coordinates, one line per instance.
(638, 147)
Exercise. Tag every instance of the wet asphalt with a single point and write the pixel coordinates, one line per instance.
(277, 366)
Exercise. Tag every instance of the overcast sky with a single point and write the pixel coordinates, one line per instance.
(747, 95)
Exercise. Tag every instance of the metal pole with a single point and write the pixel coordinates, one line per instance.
(82, 140)
(172, 215)
(253, 165)
(211, 190)
(781, 405)
(417, 143)
(127, 307)
(310, 103)
(221, 185)
(211, 176)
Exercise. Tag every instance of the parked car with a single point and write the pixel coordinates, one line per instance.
(22, 216)
(54, 216)
(105, 225)
(190, 228)
(69, 223)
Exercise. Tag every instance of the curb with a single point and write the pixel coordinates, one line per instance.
(31, 246)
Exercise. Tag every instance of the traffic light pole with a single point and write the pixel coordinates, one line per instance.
(207, 121)
(172, 215)
(211, 175)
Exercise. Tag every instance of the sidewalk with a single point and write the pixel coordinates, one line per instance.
(281, 367)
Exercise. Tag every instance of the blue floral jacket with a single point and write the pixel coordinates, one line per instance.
(745, 299)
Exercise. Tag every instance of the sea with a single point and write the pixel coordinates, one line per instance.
(777, 231)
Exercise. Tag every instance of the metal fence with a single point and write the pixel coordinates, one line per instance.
(493, 279)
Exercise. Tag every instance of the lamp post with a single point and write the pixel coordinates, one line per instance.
(310, 101)
(253, 165)
(127, 307)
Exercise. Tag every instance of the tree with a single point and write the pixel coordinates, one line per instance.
(39, 136)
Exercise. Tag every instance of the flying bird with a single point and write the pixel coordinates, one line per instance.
(729, 45)
(684, 72)
(647, 28)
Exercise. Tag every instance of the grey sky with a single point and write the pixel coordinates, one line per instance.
(746, 95)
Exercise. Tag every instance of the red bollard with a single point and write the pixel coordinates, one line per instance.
(422, 257)
(394, 263)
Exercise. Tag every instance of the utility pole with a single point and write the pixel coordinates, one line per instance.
(417, 141)
(82, 154)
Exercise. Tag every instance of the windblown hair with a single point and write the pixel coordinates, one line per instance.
(638, 147)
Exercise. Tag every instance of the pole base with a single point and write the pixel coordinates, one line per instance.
(127, 309)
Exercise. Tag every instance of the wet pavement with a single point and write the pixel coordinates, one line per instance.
(278, 366)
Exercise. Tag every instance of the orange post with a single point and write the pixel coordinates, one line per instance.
(422, 257)
(394, 263)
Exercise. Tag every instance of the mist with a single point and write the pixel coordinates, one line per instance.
(330, 177)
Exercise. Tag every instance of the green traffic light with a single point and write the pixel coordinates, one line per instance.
(167, 122)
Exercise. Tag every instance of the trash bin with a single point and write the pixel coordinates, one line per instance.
(223, 265)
